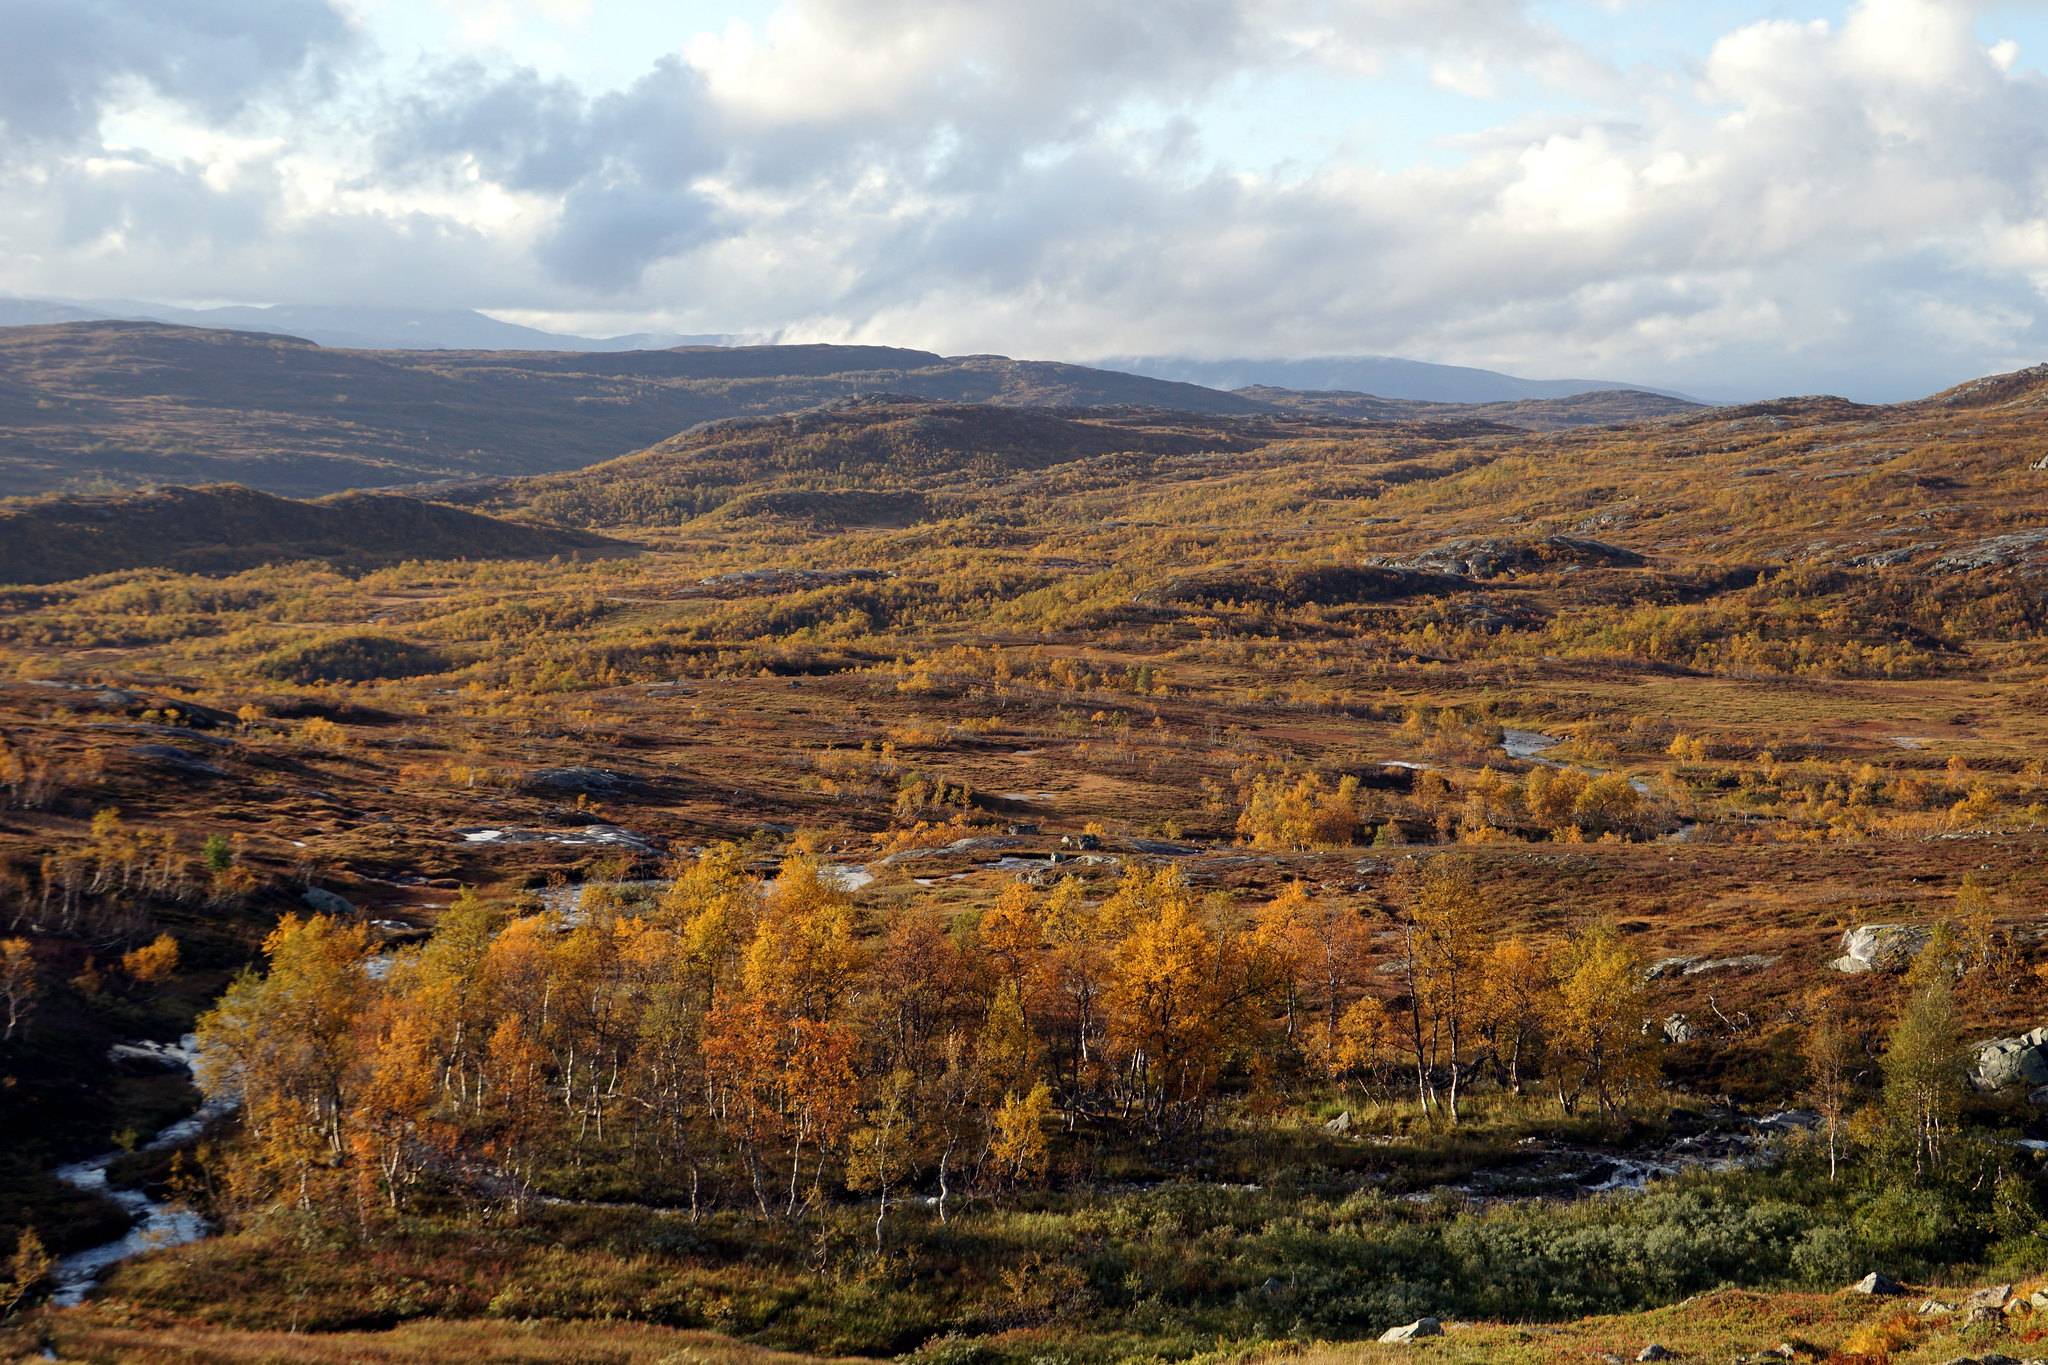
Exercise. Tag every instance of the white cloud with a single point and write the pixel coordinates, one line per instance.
(1859, 204)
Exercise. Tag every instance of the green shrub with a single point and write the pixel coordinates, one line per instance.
(350, 658)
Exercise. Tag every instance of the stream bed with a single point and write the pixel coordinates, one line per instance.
(157, 1223)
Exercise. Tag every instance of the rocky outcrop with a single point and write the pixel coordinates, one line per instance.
(598, 783)
(1877, 1282)
(1665, 967)
(175, 762)
(2014, 549)
(2003, 1062)
(1880, 947)
(1414, 1331)
(1491, 558)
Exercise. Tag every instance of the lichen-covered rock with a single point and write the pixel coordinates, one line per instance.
(1880, 947)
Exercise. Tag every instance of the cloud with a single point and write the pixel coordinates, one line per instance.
(1860, 204)
(64, 61)
(620, 167)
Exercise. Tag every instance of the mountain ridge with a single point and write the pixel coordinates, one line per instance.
(1378, 375)
(141, 402)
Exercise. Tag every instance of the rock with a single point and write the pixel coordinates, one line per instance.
(2015, 548)
(1880, 947)
(1991, 1296)
(1668, 966)
(1934, 1308)
(1654, 1352)
(1340, 1124)
(325, 902)
(1678, 1029)
(170, 760)
(1748, 962)
(593, 782)
(168, 1056)
(1161, 848)
(2011, 1061)
(1877, 1282)
(178, 733)
(1414, 1331)
(1491, 558)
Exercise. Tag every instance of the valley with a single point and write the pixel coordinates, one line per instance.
(1026, 871)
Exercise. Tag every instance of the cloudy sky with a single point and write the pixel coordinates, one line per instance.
(1726, 196)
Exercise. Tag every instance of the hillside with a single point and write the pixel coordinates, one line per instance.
(133, 403)
(820, 463)
(223, 529)
(1597, 408)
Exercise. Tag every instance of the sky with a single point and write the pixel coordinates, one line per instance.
(1725, 197)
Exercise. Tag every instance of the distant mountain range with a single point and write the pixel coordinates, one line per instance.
(371, 329)
(404, 329)
(1379, 375)
(86, 405)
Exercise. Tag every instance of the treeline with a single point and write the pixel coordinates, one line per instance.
(773, 1047)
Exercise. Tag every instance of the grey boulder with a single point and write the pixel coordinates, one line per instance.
(2002, 1062)
(1877, 1282)
(1414, 1331)
(325, 902)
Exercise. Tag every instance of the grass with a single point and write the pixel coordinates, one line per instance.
(1170, 1271)
(96, 1336)
(1718, 1325)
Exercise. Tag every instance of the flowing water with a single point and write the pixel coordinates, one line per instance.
(157, 1223)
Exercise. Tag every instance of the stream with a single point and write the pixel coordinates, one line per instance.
(157, 1223)
(1530, 745)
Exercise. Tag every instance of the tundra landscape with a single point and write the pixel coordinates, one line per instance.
(979, 881)
(961, 683)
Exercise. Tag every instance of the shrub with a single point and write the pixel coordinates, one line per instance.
(350, 658)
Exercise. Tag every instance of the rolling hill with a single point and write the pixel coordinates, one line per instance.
(139, 403)
(1598, 407)
(85, 405)
(404, 329)
(862, 462)
(223, 529)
